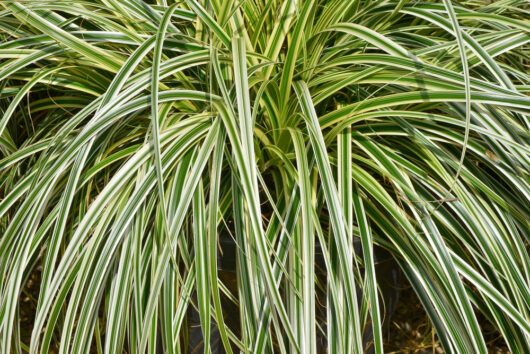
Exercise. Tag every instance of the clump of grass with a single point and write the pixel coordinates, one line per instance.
(133, 133)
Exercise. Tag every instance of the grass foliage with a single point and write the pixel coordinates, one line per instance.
(133, 133)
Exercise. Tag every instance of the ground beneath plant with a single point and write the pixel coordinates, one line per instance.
(409, 331)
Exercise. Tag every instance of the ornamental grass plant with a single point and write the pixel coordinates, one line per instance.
(136, 134)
